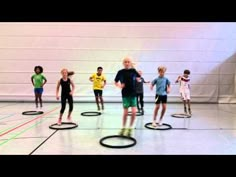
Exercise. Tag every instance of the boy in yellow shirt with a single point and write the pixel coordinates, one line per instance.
(99, 82)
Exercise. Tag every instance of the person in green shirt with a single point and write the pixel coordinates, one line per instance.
(38, 80)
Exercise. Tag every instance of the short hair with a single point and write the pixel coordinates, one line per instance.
(186, 71)
(128, 59)
(161, 68)
(99, 68)
(38, 67)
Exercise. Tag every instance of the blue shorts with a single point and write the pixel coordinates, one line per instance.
(38, 90)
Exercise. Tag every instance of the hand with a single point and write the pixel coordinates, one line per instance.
(71, 93)
(151, 87)
(57, 97)
(122, 85)
(138, 79)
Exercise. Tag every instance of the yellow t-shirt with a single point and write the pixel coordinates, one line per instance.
(98, 81)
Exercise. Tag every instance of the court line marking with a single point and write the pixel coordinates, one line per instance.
(27, 122)
(43, 142)
(13, 137)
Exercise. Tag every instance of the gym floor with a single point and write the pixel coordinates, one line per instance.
(210, 130)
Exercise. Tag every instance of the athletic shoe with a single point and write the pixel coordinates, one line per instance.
(129, 132)
(122, 132)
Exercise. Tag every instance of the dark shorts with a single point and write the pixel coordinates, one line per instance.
(38, 90)
(97, 92)
(160, 99)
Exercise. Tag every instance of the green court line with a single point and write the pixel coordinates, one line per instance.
(23, 131)
(14, 126)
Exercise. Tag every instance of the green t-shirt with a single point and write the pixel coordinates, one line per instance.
(38, 80)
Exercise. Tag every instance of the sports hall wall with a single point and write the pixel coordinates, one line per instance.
(206, 49)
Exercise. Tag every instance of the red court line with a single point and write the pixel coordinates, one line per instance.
(26, 123)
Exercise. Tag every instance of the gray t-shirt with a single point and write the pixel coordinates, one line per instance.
(139, 85)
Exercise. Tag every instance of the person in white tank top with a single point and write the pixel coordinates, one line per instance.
(185, 90)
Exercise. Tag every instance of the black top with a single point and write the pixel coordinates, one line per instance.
(127, 77)
(65, 87)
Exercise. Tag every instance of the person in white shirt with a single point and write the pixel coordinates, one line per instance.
(185, 90)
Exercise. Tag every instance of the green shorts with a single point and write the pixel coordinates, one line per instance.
(129, 102)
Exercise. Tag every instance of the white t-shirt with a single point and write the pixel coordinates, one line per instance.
(184, 84)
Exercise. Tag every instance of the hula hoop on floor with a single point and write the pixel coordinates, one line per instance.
(91, 113)
(181, 115)
(32, 112)
(163, 127)
(61, 127)
(134, 142)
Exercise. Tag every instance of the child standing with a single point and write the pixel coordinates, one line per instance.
(162, 89)
(126, 80)
(99, 82)
(66, 94)
(139, 92)
(185, 89)
(38, 80)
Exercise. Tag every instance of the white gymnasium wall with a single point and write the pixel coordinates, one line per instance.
(207, 49)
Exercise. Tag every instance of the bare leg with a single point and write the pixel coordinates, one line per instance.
(185, 109)
(162, 112)
(101, 99)
(189, 108)
(155, 114)
(36, 99)
(125, 115)
(40, 100)
(133, 116)
(97, 102)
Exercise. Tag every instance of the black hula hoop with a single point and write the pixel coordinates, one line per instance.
(32, 112)
(181, 115)
(91, 113)
(156, 128)
(63, 128)
(137, 113)
(118, 136)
